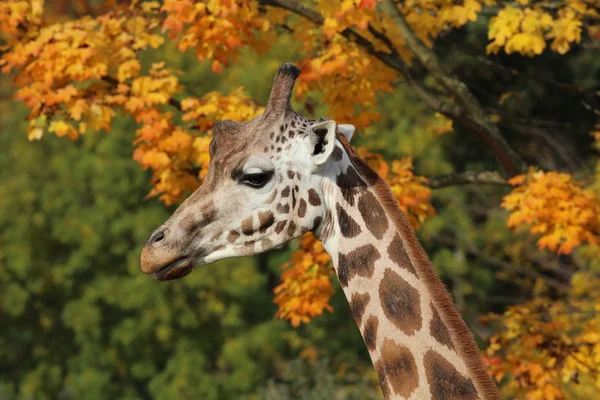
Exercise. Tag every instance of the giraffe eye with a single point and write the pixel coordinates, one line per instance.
(256, 180)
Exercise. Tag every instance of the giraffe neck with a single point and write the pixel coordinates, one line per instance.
(419, 345)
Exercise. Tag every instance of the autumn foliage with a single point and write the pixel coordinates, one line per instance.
(557, 207)
(546, 347)
(78, 74)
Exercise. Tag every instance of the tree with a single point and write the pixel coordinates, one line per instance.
(75, 73)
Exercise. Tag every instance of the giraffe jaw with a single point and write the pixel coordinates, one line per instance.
(174, 270)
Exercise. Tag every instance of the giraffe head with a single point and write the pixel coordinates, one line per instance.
(262, 188)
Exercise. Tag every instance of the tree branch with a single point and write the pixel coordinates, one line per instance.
(500, 263)
(467, 177)
(472, 116)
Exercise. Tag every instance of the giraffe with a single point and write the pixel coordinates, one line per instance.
(280, 175)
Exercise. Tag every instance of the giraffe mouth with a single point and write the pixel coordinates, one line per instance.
(174, 270)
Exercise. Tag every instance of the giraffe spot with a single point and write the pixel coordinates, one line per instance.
(445, 382)
(281, 128)
(266, 149)
(291, 229)
(348, 226)
(317, 222)
(285, 192)
(303, 230)
(272, 134)
(280, 225)
(278, 139)
(397, 254)
(232, 237)
(382, 375)
(399, 368)
(291, 174)
(299, 176)
(247, 228)
(373, 214)
(302, 208)
(266, 219)
(400, 302)
(266, 244)
(283, 209)
(359, 262)
(313, 197)
(439, 330)
(337, 154)
(350, 184)
(370, 332)
(293, 199)
(279, 149)
(358, 303)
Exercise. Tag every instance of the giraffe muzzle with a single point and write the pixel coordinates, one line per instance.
(175, 270)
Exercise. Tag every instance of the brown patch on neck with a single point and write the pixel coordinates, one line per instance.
(400, 302)
(382, 375)
(350, 184)
(370, 332)
(438, 330)
(359, 262)
(400, 368)
(445, 382)
(373, 214)
(348, 226)
(461, 337)
(398, 255)
(358, 303)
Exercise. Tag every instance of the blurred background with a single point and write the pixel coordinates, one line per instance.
(79, 320)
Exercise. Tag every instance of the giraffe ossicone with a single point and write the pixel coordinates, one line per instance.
(280, 175)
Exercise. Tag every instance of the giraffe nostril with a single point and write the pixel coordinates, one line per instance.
(156, 237)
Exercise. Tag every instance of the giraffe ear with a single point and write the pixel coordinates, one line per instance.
(347, 130)
(322, 141)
